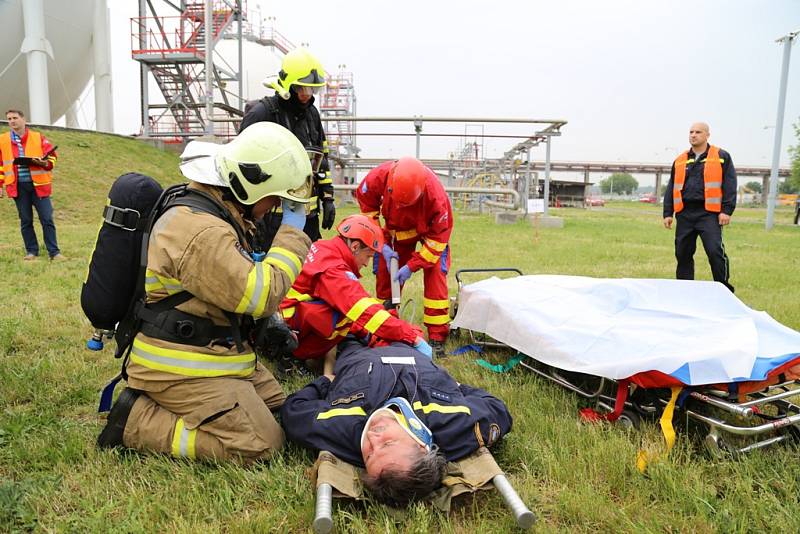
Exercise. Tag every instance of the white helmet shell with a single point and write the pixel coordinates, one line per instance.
(197, 163)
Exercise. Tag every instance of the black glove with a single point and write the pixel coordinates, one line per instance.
(272, 338)
(328, 213)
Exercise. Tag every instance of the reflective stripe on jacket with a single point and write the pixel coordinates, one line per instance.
(36, 145)
(712, 180)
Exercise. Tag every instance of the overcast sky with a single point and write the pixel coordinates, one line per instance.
(628, 76)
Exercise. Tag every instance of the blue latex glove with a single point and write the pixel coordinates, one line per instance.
(422, 346)
(294, 214)
(403, 274)
(388, 254)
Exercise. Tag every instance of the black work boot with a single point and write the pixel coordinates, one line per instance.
(438, 348)
(111, 436)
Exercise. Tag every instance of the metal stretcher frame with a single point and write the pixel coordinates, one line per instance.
(524, 518)
(728, 417)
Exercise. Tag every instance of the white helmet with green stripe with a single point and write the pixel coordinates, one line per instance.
(265, 160)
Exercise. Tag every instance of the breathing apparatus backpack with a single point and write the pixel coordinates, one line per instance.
(110, 282)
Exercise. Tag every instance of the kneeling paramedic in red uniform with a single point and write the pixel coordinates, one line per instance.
(327, 302)
(415, 209)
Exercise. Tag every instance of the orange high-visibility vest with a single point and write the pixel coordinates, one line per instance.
(712, 180)
(42, 179)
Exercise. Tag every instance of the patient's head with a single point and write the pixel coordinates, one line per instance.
(399, 469)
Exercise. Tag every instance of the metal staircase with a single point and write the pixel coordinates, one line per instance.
(172, 48)
(339, 101)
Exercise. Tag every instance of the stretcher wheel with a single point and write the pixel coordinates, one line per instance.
(629, 419)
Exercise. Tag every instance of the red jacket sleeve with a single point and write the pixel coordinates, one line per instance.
(51, 159)
(439, 218)
(349, 297)
(370, 191)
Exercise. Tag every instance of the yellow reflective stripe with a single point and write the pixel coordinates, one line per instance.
(154, 281)
(191, 363)
(404, 234)
(325, 181)
(438, 246)
(176, 438)
(361, 306)
(254, 299)
(183, 441)
(428, 256)
(285, 260)
(340, 332)
(434, 407)
(343, 321)
(151, 283)
(436, 304)
(296, 295)
(288, 313)
(336, 412)
(376, 321)
(435, 319)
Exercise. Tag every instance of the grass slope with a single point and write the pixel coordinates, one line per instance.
(574, 476)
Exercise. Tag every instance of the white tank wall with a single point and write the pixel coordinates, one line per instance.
(68, 27)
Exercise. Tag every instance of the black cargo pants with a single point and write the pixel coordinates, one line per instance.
(695, 221)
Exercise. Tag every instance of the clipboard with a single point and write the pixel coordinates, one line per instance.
(28, 161)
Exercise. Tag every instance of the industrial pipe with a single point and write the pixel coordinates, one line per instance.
(513, 205)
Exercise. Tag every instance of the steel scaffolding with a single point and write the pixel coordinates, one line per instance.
(469, 166)
(337, 102)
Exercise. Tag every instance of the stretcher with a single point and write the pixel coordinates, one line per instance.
(333, 477)
(640, 348)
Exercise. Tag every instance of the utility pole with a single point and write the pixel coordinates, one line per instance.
(776, 147)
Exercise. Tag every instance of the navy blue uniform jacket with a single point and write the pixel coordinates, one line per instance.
(330, 416)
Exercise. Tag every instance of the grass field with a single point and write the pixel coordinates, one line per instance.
(576, 477)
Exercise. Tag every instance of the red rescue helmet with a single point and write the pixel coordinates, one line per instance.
(406, 181)
(363, 228)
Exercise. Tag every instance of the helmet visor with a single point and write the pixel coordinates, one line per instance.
(301, 193)
(315, 157)
(305, 90)
(313, 78)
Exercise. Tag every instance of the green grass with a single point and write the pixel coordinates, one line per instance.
(574, 476)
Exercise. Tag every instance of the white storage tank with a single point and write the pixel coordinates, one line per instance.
(68, 28)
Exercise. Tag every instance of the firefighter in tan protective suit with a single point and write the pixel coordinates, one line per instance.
(210, 398)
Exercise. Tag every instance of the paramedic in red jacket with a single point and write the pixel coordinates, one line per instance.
(327, 301)
(415, 209)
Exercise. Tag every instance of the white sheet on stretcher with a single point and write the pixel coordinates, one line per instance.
(696, 331)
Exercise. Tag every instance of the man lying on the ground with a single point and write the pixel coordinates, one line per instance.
(394, 412)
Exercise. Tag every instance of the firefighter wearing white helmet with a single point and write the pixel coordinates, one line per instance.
(292, 106)
(195, 388)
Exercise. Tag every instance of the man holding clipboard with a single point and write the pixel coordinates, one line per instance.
(28, 159)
